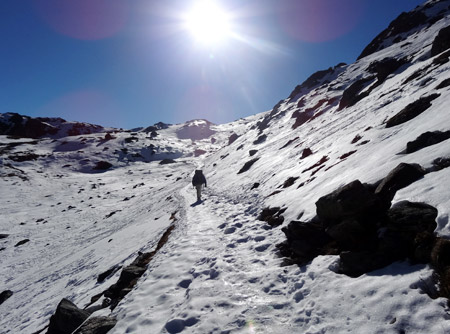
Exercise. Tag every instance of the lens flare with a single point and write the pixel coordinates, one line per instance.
(208, 23)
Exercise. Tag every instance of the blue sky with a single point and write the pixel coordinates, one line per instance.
(134, 63)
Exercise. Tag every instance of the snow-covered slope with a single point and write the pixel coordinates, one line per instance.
(220, 270)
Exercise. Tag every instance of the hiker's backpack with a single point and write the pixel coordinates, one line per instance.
(198, 178)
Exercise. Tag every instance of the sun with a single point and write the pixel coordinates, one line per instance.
(208, 23)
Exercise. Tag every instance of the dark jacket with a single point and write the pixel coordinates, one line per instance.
(198, 178)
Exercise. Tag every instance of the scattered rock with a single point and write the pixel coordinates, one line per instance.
(97, 325)
(232, 138)
(289, 142)
(356, 139)
(252, 152)
(290, 181)
(306, 153)
(427, 139)
(247, 165)
(167, 161)
(411, 111)
(272, 216)
(441, 41)
(108, 273)
(383, 68)
(102, 165)
(199, 152)
(22, 242)
(443, 84)
(304, 241)
(261, 139)
(351, 200)
(3, 236)
(5, 295)
(255, 185)
(67, 318)
(400, 177)
(441, 163)
(354, 93)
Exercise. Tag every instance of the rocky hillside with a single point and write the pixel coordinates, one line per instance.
(327, 214)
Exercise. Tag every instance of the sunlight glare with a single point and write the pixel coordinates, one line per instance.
(208, 23)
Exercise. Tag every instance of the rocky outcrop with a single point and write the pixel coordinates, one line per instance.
(354, 93)
(401, 176)
(97, 325)
(411, 111)
(5, 295)
(272, 216)
(427, 139)
(316, 79)
(67, 318)
(441, 41)
(357, 223)
(247, 165)
(404, 23)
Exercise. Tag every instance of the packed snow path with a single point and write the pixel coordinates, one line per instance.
(219, 274)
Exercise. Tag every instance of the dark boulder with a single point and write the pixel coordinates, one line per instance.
(22, 242)
(304, 241)
(412, 217)
(167, 161)
(353, 94)
(289, 182)
(411, 111)
(352, 200)
(357, 263)
(108, 136)
(306, 153)
(383, 68)
(272, 216)
(443, 84)
(427, 139)
(232, 138)
(5, 295)
(107, 273)
(261, 139)
(97, 325)
(252, 152)
(440, 255)
(301, 118)
(247, 165)
(129, 274)
(441, 163)
(441, 41)
(67, 318)
(350, 234)
(102, 165)
(400, 177)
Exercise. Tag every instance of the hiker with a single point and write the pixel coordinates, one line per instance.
(197, 181)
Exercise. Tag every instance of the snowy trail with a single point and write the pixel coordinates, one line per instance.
(219, 274)
(213, 283)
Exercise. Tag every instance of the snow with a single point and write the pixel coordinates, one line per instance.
(220, 272)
